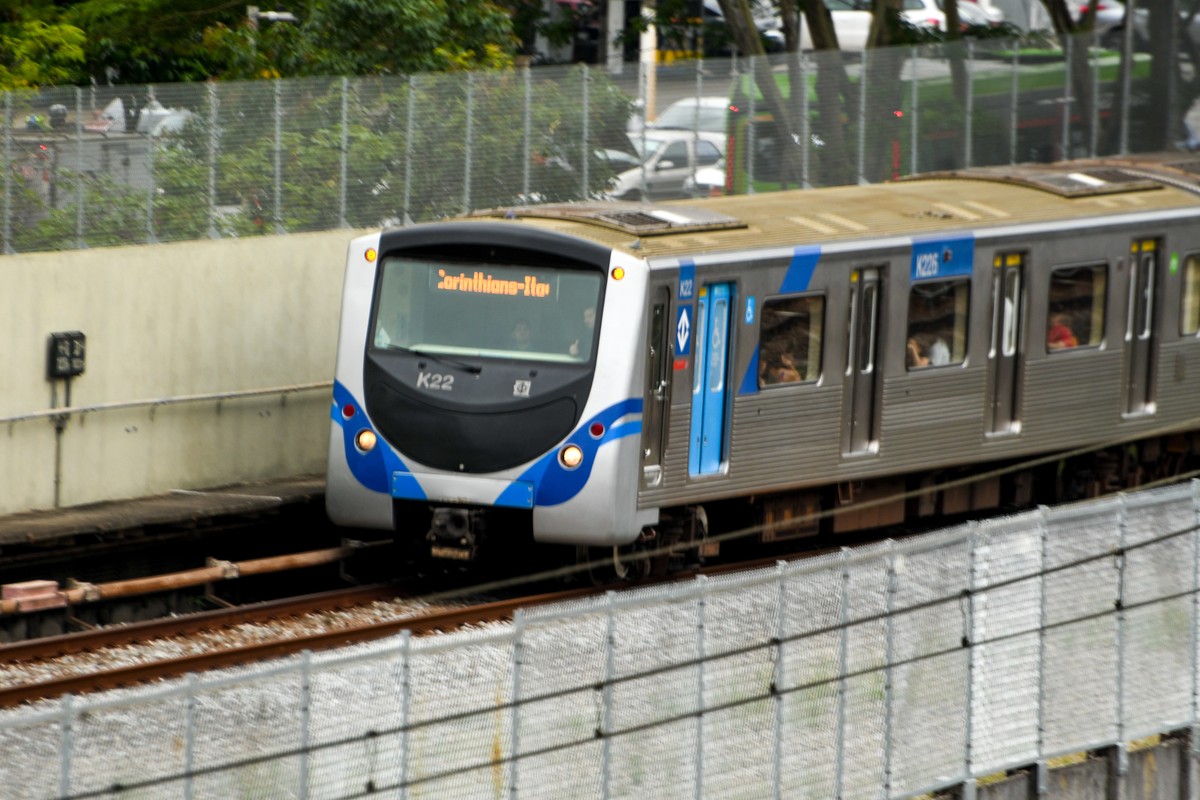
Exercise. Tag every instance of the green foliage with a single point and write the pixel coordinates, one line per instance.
(36, 53)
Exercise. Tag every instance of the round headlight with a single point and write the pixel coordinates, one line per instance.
(570, 456)
(365, 440)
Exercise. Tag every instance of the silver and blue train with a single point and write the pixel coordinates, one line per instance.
(621, 375)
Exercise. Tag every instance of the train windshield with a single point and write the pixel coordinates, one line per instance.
(477, 309)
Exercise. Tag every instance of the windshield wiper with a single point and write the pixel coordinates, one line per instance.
(474, 369)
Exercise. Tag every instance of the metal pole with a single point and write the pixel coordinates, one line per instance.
(805, 122)
(1094, 138)
(969, 117)
(862, 119)
(1013, 117)
(8, 246)
(515, 722)
(342, 155)
(700, 603)
(1043, 772)
(189, 736)
(888, 671)
(212, 160)
(64, 760)
(607, 698)
(305, 718)
(585, 156)
(405, 701)
(408, 148)
(912, 115)
(778, 677)
(470, 134)
(843, 661)
(968, 783)
(696, 117)
(1127, 75)
(150, 190)
(527, 113)
(1122, 754)
(80, 237)
(1068, 44)
(751, 126)
(278, 199)
(1195, 618)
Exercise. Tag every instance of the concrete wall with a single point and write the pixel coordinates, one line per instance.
(165, 321)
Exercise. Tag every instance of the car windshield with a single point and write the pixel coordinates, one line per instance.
(438, 307)
(684, 116)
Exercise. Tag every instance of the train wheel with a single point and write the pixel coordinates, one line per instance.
(609, 565)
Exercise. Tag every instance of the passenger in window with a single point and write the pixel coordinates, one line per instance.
(1059, 335)
(916, 354)
(935, 353)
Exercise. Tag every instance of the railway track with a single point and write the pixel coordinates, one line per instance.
(442, 618)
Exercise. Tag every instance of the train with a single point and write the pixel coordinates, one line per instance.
(630, 377)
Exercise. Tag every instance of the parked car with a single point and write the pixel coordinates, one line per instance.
(670, 158)
(852, 19)
(707, 182)
(706, 113)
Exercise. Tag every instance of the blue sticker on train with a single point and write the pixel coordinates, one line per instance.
(687, 280)
(941, 257)
(683, 331)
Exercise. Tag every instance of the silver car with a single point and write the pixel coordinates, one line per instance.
(670, 158)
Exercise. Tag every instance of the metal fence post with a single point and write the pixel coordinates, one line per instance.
(469, 135)
(344, 147)
(586, 154)
(1043, 777)
(1127, 76)
(527, 114)
(607, 699)
(1122, 528)
(778, 678)
(8, 170)
(843, 660)
(408, 148)
(1013, 115)
(751, 127)
(862, 117)
(150, 189)
(1094, 138)
(969, 784)
(278, 188)
(305, 718)
(805, 122)
(1195, 721)
(1068, 46)
(212, 159)
(405, 702)
(189, 737)
(969, 112)
(914, 112)
(700, 603)
(80, 237)
(889, 670)
(515, 721)
(65, 745)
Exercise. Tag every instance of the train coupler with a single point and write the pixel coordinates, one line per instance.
(454, 534)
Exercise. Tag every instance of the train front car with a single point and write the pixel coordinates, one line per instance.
(484, 389)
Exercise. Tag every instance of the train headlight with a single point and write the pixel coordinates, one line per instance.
(365, 440)
(570, 456)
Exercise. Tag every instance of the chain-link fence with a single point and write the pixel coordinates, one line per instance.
(886, 672)
(143, 164)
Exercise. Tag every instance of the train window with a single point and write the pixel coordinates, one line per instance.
(462, 308)
(1190, 316)
(790, 340)
(1075, 316)
(937, 323)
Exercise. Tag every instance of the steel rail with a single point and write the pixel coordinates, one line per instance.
(437, 621)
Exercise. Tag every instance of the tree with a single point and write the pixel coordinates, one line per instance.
(36, 49)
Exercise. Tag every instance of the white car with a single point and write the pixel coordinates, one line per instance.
(707, 114)
(671, 158)
(852, 19)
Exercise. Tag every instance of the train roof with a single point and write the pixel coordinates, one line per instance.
(920, 205)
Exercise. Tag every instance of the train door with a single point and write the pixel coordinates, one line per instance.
(862, 386)
(710, 383)
(1139, 328)
(658, 377)
(1007, 283)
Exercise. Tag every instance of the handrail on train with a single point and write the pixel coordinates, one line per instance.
(52, 413)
